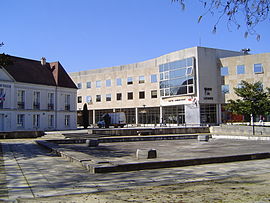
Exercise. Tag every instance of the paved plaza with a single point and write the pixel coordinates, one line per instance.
(31, 171)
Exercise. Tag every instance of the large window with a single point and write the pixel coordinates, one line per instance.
(129, 80)
(98, 98)
(67, 102)
(130, 95)
(79, 85)
(20, 99)
(142, 95)
(118, 96)
(108, 83)
(240, 69)
(50, 101)
(67, 120)
(2, 98)
(141, 79)
(224, 71)
(173, 115)
(153, 94)
(20, 121)
(98, 84)
(119, 82)
(50, 121)
(88, 99)
(36, 102)
(88, 84)
(177, 78)
(208, 113)
(258, 68)
(225, 89)
(153, 78)
(108, 97)
(36, 120)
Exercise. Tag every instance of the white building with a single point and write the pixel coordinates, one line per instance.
(36, 95)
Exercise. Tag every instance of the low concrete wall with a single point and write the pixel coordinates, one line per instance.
(239, 130)
(150, 131)
(21, 134)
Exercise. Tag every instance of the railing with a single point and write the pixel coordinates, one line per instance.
(67, 107)
(50, 106)
(36, 105)
(20, 105)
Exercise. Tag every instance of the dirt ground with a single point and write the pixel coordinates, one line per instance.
(237, 189)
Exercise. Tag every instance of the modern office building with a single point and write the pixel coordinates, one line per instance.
(251, 68)
(36, 95)
(182, 87)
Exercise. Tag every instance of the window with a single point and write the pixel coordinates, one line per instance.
(79, 85)
(258, 68)
(224, 71)
(79, 99)
(108, 83)
(20, 99)
(119, 82)
(240, 69)
(130, 95)
(129, 81)
(2, 98)
(240, 85)
(50, 121)
(225, 89)
(88, 85)
(36, 100)
(108, 97)
(141, 95)
(36, 120)
(153, 94)
(67, 120)
(67, 102)
(20, 120)
(50, 101)
(98, 98)
(98, 84)
(153, 78)
(88, 99)
(119, 96)
(141, 79)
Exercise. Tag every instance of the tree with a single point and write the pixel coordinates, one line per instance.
(4, 59)
(253, 100)
(85, 115)
(253, 12)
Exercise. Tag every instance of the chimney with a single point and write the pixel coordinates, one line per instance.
(43, 61)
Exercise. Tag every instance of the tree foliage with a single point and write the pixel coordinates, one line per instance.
(4, 59)
(253, 100)
(252, 11)
(85, 116)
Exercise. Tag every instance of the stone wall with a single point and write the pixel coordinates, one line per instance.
(239, 130)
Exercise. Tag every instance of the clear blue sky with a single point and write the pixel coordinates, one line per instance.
(87, 34)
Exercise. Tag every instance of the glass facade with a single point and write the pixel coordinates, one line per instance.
(208, 113)
(177, 78)
(173, 115)
(130, 114)
(148, 115)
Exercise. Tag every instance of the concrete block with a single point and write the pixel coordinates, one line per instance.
(92, 143)
(204, 138)
(146, 153)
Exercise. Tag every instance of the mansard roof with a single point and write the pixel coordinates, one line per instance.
(32, 71)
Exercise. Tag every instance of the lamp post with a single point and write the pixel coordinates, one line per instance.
(252, 116)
